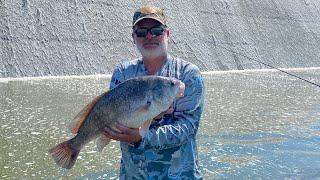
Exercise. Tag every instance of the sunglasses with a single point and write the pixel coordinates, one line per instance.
(155, 31)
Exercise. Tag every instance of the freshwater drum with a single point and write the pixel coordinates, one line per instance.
(133, 103)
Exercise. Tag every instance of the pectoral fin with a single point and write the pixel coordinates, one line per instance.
(144, 128)
(101, 142)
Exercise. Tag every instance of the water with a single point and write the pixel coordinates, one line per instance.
(256, 125)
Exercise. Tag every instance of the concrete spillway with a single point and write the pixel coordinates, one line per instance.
(80, 37)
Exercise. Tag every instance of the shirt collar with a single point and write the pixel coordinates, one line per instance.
(161, 70)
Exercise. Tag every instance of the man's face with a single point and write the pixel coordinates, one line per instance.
(151, 46)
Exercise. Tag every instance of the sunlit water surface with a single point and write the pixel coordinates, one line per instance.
(256, 124)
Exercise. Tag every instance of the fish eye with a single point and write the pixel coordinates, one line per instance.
(172, 83)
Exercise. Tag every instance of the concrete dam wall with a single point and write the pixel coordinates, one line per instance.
(81, 37)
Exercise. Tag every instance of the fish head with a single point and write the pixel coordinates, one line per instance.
(168, 88)
(148, 96)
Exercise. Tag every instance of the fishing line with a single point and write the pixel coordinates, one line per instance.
(252, 59)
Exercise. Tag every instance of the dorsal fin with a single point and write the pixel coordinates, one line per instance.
(83, 114)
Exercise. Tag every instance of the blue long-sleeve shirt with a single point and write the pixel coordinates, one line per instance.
(168, 150)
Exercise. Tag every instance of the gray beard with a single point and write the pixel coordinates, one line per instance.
(154, 53)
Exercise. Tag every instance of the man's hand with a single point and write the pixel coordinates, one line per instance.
(125, 134)
(129, 135)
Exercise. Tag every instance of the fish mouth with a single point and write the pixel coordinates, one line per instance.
(181, 89)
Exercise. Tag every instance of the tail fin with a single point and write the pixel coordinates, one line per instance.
(64, 155)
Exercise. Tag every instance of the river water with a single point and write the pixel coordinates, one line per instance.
(258, 124)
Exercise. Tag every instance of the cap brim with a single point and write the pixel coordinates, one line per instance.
(146, 17)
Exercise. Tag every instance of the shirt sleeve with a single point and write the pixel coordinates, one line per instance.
(185, 120)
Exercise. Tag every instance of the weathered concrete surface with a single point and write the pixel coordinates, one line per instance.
(76, 37)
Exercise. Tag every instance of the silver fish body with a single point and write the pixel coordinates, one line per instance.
(132, 103)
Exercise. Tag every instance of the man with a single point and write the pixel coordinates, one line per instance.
(168, 150)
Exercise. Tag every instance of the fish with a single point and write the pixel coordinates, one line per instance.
(133, 103)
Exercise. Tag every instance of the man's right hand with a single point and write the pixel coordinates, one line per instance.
(123, 133)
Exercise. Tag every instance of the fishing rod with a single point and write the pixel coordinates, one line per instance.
(252, 59)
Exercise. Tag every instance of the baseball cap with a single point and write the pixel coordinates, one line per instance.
(151, 12)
